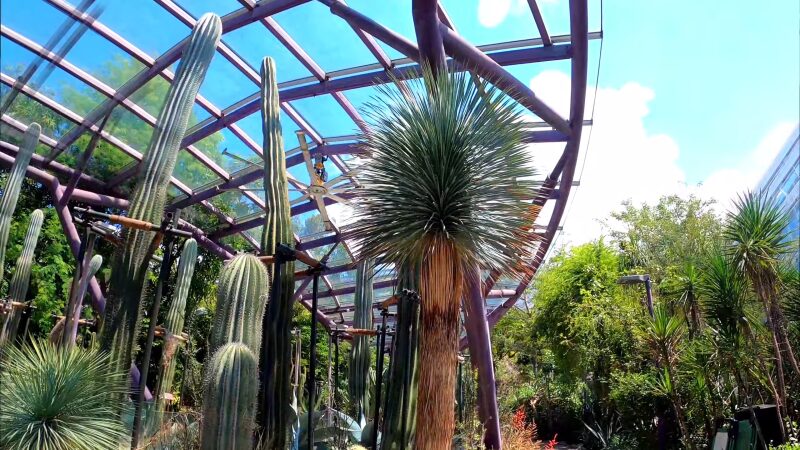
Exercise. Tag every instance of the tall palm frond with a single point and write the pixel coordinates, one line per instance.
(665, 333)
(724, 298)
(58, 399)
(449, 185)
(756, 235)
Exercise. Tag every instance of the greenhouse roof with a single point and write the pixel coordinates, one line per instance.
(114, 59)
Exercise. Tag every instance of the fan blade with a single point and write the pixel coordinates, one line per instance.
(323, 211)
(301, 138)
(300, 199)
(341, 200)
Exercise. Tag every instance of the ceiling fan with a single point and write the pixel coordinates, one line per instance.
(320, 186)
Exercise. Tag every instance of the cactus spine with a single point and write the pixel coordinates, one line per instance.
(241, 299)
(231, 389)
(276, 390)
(18, 288)
(122, 315)
(8, 203)
(361, 351)
(173, 323)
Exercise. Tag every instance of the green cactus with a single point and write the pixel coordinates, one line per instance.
(241, 300)
(230, 391)
(18, 288)
(8, 203)
(276, 391)
(398, 397)
(123, 310)
(173, 323)
(361, 350)
(73, 315)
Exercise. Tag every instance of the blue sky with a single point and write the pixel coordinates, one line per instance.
(689, 92)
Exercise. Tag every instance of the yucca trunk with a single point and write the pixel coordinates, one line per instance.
(441, 286)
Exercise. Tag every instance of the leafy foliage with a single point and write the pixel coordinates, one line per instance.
(57, 399)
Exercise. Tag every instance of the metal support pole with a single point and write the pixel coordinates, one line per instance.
(312, 359)
(336, 368)
(381, 338)
(649, 291)
(460, 392)
(164, 272)
(73, 308)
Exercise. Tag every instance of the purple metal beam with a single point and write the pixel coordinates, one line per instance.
(252, 223)
(579, 25)
(351, 289)
(469, 56)
(250, 105)
(230, 22)
(480, 350)
(429, 40)
(537, 17)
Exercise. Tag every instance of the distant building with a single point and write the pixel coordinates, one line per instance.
(781, 182)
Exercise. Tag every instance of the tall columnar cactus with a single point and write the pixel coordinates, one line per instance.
(230, 391)
(18, 288)
(123, 311)
(241, 300)
(173, 323)
(361, 351)
(399, 421)
(8, 202)
(276, 357)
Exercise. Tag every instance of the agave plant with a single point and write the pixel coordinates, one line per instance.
(757, 241)
(59, 399)
(448, 187)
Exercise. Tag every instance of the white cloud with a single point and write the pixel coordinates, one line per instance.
(625, 161)
(725, 183)
(492, 13)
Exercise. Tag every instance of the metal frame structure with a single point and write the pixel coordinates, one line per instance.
(438, 42)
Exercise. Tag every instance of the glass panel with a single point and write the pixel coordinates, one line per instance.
(330, 42)
(325, 115)
(154, 31)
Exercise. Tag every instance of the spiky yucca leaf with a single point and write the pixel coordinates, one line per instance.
(447, 167)
(59, 399)
(724, 298)
(448, 186)
(756, 234)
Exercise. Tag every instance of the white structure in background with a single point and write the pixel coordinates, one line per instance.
(781, 182)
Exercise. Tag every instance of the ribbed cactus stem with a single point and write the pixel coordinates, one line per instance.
(18, 288)
(230, 391)
(276, 356)
(73, 316)
(10, 194)
(123, 311)
(399, 420)
(173, 323)
(241, 300)
(361, 351)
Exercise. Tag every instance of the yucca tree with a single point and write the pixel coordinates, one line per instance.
(447, 187)
(55, 399)
(724, 298)
(726, 303)
(756, 242)
(665, 333)
(682, 286)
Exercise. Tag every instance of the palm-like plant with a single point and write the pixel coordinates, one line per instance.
(665, 334)
(55, 399)
(682, 286)
(756, 241)
(445, 189)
